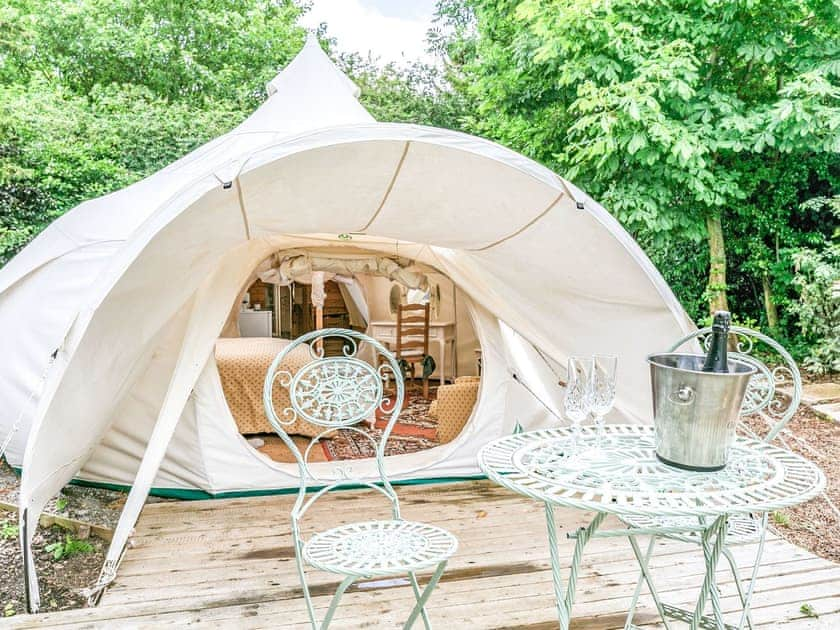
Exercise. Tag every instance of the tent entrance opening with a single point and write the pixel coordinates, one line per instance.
(274, 308)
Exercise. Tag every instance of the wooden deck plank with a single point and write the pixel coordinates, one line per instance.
(229, 563)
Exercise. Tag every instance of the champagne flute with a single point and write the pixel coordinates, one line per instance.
(603, 391)
(577, 402)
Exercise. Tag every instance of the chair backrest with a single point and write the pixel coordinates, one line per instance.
(774, 391)
(412, 331)
(336, 393)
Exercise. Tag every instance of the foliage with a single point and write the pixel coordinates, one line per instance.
(189, 51)
(58, 149)
(417, 93)
(96, 94)
(648, 104)
(770, 225)
(9, 531)
(780, 518)
(817, 278)
(68, 547)
(679, 116)
(61, 503)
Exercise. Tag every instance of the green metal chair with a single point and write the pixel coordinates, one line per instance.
(771, 400)
(337, 393)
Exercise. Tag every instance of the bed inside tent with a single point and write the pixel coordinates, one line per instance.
(293, 292)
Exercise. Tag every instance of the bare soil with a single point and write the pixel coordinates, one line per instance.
(814, 525)
(62, 581)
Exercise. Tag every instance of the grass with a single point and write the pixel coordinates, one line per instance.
(9, 531)
(68, 547)
(781, 519)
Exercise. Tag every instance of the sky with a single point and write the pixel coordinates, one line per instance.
(393, 30)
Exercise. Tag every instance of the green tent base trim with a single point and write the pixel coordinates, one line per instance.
(197, 495)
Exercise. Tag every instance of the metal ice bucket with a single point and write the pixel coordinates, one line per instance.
(695, 412)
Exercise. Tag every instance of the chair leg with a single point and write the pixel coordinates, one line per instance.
(334, 602)
(425, 388)
(417, 595)
(421, 601)
(305, 588)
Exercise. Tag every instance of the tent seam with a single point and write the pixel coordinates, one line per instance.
(390, 187)
(522, 229)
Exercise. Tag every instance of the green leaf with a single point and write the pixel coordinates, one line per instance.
(638, 141)
(808, 610)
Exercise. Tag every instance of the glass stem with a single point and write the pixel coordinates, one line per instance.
(599, 431)
(575, 436)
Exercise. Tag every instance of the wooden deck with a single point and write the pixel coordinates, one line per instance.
(229, 564)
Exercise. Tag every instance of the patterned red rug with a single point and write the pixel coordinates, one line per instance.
(414, 431)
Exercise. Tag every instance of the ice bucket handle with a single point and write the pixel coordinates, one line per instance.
(684, 395)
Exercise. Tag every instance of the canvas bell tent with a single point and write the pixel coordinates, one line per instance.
(108, 319)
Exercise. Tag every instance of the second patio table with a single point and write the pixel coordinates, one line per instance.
(624, 478)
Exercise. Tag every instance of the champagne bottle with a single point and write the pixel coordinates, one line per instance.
(716, 357)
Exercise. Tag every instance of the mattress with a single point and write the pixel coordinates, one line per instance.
(243, 363)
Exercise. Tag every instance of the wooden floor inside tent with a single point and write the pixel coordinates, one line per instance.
(229, 563)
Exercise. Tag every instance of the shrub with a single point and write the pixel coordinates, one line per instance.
(817, 278)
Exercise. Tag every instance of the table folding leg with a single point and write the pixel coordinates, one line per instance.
(565, 596)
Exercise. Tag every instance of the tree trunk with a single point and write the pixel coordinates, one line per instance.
(717, 265)
(769, 303)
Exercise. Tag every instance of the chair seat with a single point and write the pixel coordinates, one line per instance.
(741, 528)
(373, 548)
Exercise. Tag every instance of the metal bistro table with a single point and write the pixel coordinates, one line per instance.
(627, 480)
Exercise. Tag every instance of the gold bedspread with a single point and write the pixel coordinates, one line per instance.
(243, 363)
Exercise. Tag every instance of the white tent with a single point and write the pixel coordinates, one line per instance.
(129, 291)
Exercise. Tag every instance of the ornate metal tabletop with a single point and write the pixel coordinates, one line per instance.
(626, 478)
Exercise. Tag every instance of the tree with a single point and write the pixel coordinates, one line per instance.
(417, 93)
(817, 278)
(188, 51)
(657, 108)
(58, 149)
(97, 94)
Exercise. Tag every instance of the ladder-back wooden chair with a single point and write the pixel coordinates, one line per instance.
(771, 400)
(412, 340)
(338, 393)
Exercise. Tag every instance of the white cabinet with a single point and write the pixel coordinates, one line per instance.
(255, 323)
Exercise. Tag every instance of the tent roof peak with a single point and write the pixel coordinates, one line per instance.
(311, 58)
